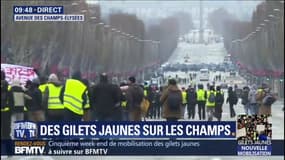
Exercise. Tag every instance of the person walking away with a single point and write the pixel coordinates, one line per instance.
(150, 98)
(191, 101)
(252, 100)
(245, 100)
(268, 98)
(35, 108)
(201, 101)
(51, 101)
(5, 109)
(74, 98)
(107, 99)
(16, 102)
(211, 103)
(134, 95)
(184, 102)
(171, 99)
(232, 100)
(157, 105)
(125, 110)
(219, 103)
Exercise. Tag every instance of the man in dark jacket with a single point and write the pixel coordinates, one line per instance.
(134, 96)
(106, 100)
(245, 100)
(232, 100)
(35, 109)
(219, 103)
(191, 101)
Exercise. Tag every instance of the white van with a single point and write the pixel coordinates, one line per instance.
(204, 75)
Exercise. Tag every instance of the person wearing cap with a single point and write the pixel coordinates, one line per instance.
(34, 105)
(51, 102)
(134, 96)
(74, 96)
(106, 99)
(16, 102)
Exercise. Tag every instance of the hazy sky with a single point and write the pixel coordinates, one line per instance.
(144, 8)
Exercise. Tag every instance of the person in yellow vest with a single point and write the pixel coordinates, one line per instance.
(51, 101)
(211, 103)
(184, 101)
(43, 84)
(219, 103)
(74, 97)
(201, 101)
(125, 111)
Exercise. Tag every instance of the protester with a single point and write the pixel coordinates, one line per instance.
(219, 103)
(184, 101)
(171, 99)
(157, 104)
(107, 99)
(125, 110)
(5, 109)
(74, 98)
(34, 106)
(51, 101)
(134, 95)
(252, 100)
(232, 100)
(191, 101)
(267, 99)
(16, 102)
(201, 101)
(211, 103)
(245, 100)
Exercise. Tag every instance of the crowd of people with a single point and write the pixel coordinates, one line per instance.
(78, 100)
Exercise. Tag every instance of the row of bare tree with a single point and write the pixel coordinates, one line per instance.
(86, 46)
(258, 44)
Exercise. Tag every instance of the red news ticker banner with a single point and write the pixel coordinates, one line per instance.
(18, 72)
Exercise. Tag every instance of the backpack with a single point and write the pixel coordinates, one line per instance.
(234, 98)
(138, 94)
(268, 100)
(174, 100)
(219, 98)
(212, 98)
(244, 99)
(191, 97)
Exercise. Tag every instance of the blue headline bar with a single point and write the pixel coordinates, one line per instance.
(38, 9)
(181, 129)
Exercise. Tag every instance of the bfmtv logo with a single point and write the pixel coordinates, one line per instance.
(25, 130)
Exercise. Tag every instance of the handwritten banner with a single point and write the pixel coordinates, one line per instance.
(18, 72)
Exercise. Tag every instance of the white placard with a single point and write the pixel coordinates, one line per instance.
(241, 132)
(20, 72)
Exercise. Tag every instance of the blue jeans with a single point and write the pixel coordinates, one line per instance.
(253, 108)
(247, 109)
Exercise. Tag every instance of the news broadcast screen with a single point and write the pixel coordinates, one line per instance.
(122, 79)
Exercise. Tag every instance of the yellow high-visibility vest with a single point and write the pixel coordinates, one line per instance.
(184, 97)
(42, 87)
(72, 99)
(201, 95)
(145, 92)
(53, 99)
(124, 104)
(210, 104)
